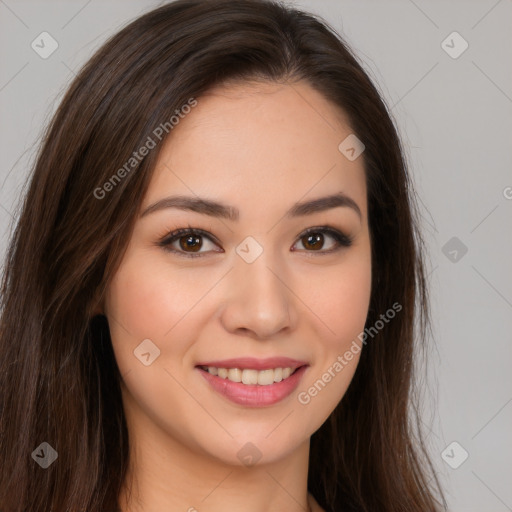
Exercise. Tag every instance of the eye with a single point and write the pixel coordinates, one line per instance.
(189, 242)
(313, 240)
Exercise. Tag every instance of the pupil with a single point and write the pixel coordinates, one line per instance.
(312, 241)
(191, 242)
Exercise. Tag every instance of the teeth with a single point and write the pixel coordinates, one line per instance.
(265, 377)
(251, 377)
(235, 375)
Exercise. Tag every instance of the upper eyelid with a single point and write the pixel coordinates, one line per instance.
(177, 233)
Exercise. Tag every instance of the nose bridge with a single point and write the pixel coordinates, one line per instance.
(260, 277)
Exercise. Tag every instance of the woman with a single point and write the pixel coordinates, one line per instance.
(209, 298)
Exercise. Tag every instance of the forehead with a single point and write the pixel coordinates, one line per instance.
(257, 142)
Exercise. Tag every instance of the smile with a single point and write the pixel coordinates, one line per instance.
(250, 387)
(251, 376)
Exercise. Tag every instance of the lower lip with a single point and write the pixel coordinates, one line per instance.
(254, 395)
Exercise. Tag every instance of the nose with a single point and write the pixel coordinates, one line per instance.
(259, 302)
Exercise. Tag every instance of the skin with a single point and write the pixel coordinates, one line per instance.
(259, 147)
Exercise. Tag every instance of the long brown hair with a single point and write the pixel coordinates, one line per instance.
(59, 378)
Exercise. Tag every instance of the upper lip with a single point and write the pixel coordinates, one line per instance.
(256, 364)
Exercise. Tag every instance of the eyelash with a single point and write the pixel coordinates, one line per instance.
(342, 240)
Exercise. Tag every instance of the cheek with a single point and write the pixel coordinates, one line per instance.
(341, 302)
(150, 300)
(141, 304)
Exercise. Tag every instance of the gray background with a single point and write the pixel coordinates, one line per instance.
(455, 118)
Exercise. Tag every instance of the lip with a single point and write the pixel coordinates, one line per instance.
(254, 395)
(252, 363)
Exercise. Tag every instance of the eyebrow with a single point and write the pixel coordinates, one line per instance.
(216, 209)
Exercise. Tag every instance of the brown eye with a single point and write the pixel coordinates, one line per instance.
(191, 242)
(315, 239)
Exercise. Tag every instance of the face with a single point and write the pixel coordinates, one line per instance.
(266, 277)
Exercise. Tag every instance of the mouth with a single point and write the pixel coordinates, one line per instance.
(250, 376)
(243, 384)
